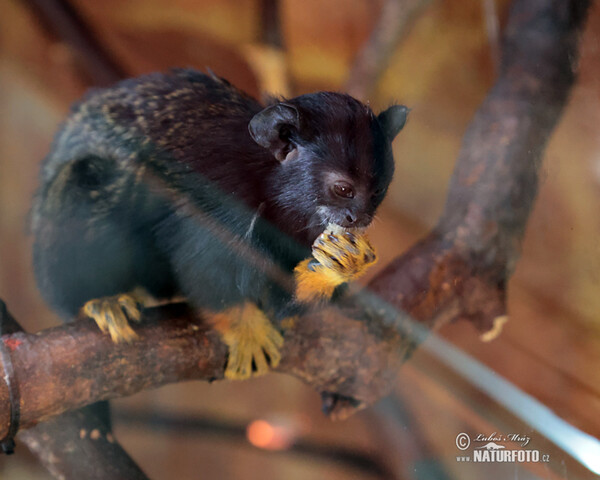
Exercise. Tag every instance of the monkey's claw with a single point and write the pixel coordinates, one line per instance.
(338, 256)
(252, 339)
(346, 253)
(112, 314)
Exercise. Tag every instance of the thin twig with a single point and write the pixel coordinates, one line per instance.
(372, 60)
(66, 23)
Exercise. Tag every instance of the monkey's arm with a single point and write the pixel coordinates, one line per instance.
(339, 256)
(253, 341)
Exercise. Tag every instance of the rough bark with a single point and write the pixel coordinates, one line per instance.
(76, 444)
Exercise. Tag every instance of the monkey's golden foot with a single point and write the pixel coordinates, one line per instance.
(252, 339)
(112, 314)
(339, 256)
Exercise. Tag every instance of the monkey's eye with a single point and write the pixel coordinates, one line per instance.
(342, 189)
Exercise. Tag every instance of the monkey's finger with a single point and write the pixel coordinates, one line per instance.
(341, 243)
(92, 310)
(101, 322)
(273, 354)
(233, 360)
(275, 338)
(260, 361)
(110, 324)
(369, 256)
(118, 326)
(313, 265)
(245, 364)
(334, 250)
(131, 307)
(231, 371)
(326, 260)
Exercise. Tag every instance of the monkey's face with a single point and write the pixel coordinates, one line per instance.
(325, 181)
(336, 160)
(350, 173)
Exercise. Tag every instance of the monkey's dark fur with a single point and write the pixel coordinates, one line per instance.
(159, 181)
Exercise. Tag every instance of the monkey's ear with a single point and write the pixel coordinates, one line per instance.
(392, 120)
(272, 126)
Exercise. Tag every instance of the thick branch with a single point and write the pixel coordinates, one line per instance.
(464, 264)
(351, 350)
(78, 443)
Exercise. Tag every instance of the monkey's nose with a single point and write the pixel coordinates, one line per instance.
(350, 219)
(354, 220)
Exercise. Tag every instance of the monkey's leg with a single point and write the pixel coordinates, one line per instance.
(252, 339)
(338, 258)
(112, 314)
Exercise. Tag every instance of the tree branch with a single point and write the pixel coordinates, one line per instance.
(63, 21)
(351, 350)
(76, 444)
(464, 264)
(374, 56)
(79, 444)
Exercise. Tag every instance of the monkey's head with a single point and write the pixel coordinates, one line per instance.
(335, 160)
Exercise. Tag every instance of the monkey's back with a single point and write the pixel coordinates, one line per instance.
(130, 176)
(187, 117)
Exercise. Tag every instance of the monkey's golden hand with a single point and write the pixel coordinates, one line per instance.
(112, 314)
(252, 339)
(339, 256)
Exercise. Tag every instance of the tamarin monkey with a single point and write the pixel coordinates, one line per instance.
(181, 184)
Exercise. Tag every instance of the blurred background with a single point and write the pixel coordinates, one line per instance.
(441, 59)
